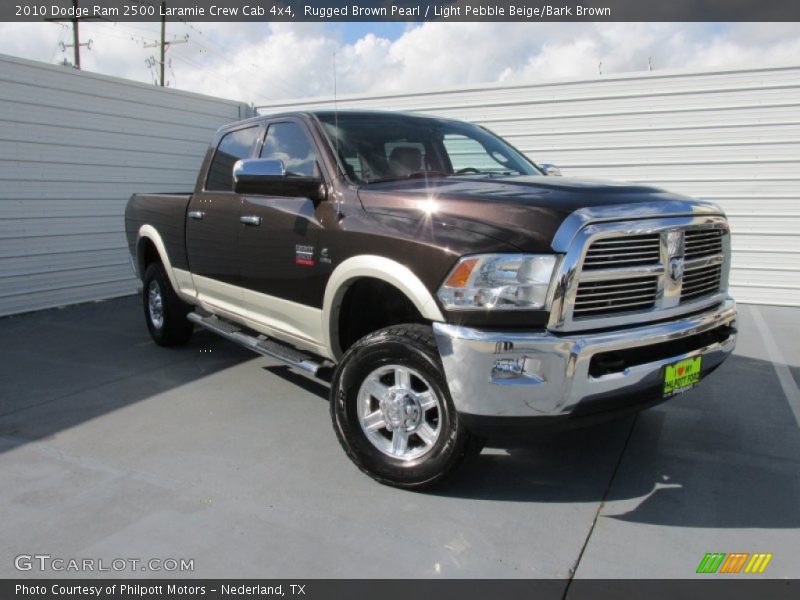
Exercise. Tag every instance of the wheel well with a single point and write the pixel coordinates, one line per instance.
(146, 253)
(370, 304)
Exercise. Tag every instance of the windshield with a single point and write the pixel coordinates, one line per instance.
(377, 147)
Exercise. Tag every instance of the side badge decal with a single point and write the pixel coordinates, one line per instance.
(304, 255)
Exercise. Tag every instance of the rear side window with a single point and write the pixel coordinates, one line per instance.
(232, 147)
(289, 143)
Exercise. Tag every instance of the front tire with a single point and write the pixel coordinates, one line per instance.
(392, 412)
(164, 312)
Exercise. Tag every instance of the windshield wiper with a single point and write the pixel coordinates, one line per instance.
(413, 175)
(489, 174)
(426, 173)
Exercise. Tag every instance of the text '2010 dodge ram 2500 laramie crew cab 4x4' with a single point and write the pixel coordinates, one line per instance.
(447, 287)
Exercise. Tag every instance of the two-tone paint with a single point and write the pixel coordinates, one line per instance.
(406, 233)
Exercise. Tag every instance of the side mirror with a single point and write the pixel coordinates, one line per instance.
(268, 177)
(551, 170)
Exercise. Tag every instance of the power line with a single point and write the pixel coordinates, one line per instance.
(256, 94)
(126, 32)
(76, 38)
(164, 45)
(210, 47)
(58, 41)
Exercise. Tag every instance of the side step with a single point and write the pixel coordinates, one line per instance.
(261, 344)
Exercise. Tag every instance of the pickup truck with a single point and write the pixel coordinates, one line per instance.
(449, 289)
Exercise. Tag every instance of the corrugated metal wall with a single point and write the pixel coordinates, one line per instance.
(73, 147)
(732, 137)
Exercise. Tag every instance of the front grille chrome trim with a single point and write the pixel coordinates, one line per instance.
(623, 273)
(682, 286)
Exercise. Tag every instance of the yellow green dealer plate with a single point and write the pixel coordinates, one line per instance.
(682, 375)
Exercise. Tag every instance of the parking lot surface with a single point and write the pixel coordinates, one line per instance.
(112, 447)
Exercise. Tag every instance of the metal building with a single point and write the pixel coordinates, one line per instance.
(73, 147)
(732, 137)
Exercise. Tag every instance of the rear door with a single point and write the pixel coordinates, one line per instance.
(278, 253)
(213, 226)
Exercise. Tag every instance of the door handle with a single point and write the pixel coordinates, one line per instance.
(250, 220)
(197, 215)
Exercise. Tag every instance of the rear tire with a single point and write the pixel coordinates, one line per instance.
(164, 312)
(392, 412)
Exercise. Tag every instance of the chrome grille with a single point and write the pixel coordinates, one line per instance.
(629, 251)
(701, 281)
(649, 271)
(703, 242)
(615, 296)
(668, 248)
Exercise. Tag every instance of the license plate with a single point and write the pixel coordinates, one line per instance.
(682, 375)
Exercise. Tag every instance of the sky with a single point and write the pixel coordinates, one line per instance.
(261, 63)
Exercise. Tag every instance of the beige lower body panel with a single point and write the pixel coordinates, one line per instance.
(186, 289)
(281, 319)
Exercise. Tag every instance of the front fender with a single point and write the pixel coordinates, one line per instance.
(375, 267)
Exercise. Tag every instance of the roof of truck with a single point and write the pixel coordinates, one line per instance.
(375, 113)
(328, 113)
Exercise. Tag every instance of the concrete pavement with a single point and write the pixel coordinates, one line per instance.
(113, 447)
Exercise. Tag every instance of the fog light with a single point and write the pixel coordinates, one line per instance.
(523, 367)
(509, 367)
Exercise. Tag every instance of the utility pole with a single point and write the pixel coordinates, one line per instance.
(164, 45)
(163, 35)
(76, 37)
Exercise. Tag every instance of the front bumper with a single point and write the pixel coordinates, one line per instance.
(506, 376)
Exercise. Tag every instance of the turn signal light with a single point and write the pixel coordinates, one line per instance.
(460, 275)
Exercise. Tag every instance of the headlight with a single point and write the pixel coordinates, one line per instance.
(498, 282)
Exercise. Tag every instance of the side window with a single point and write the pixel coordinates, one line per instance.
(354, 166)
(232, 147)
(289, 143)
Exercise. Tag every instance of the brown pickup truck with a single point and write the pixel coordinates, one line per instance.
(448, 288)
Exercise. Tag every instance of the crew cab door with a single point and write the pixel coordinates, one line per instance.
(278, 253)
(213, 225)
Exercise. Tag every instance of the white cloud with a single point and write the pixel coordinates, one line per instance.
(265, 61)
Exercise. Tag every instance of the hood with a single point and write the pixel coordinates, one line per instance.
(524, 211)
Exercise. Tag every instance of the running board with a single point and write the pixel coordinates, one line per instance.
(261, 344)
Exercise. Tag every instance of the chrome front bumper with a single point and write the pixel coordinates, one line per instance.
(524, 374)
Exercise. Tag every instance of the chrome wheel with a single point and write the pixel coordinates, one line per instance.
(155, 305)
(399, 412)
